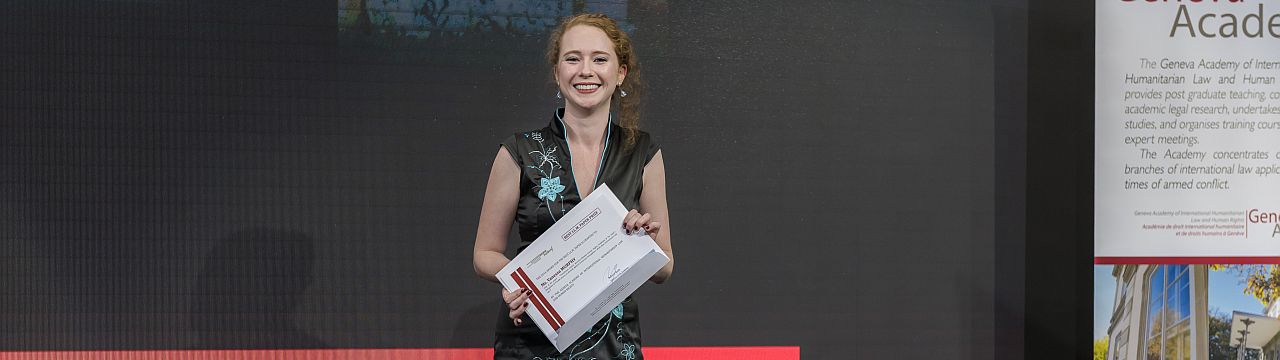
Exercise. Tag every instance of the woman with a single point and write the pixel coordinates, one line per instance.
(539, 175)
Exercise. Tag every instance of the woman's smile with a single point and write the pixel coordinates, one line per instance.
(586, 88)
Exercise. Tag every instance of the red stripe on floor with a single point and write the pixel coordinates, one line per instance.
(654, 353)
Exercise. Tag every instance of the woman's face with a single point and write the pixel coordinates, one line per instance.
(587, 71)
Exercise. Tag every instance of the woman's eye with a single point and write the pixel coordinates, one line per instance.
(571, 59)
(601, 60)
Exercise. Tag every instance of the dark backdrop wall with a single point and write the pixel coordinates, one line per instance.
(290, 174)
(1059, 178)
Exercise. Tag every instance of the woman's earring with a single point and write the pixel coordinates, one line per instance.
(558, 94)
(624, 92)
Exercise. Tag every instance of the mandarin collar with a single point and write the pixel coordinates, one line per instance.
(557, 125)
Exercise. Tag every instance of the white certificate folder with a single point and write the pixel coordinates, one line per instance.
(582, 267)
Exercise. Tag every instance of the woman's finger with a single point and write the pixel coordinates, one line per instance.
(643, 221)
(629, 222)
(509, 296)
(653, 227)
(518, 311)
(518, 301)
(515, 300)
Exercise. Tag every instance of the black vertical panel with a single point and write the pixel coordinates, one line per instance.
(1010, 32)
(1059, 180)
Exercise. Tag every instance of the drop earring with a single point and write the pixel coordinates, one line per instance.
(558, 94)
(624, 93)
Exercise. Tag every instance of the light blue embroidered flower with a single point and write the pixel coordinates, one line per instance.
(617, 311)
(628, 352)
(550, 188)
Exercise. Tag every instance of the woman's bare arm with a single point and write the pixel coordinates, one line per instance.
(496, 215)
(653, 202)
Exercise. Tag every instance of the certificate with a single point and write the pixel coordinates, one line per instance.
(582, 267)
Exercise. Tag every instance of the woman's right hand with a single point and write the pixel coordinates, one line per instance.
(517, 302)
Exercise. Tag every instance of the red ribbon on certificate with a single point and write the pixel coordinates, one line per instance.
(539, 300)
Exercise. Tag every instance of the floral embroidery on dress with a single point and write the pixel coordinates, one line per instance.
(547, 165)
(628, 352)
(551, 189)
(617, 311)
(595, 336)
(598, 334)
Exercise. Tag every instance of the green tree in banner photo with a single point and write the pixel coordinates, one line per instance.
(1260, 281)
(1220, 338)
(1100, 348)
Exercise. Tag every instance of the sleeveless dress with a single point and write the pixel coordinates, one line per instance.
(548, 190)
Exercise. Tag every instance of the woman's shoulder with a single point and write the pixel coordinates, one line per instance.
(643, 144)
(527, 137)
(522, 145)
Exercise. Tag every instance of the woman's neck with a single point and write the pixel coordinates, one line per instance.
(586, 127)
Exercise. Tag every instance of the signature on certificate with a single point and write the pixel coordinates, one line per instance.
(613, 272)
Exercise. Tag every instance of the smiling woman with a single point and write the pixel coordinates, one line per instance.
(611, 53)
(539, 175)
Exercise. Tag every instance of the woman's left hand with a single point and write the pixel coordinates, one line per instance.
(635, 221)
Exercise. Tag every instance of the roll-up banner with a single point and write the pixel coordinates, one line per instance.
(1187, 180)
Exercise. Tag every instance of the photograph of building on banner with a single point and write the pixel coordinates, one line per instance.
(1186, 311)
